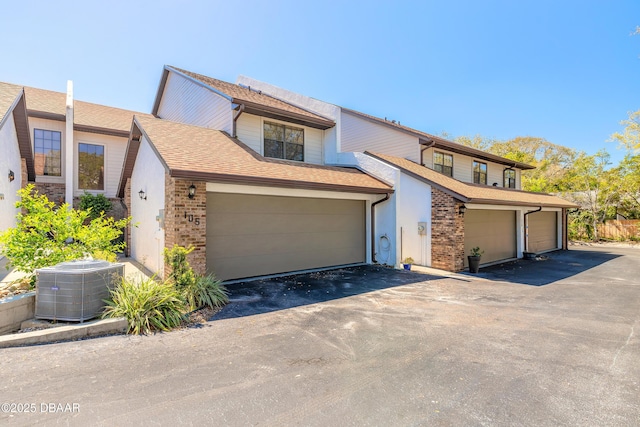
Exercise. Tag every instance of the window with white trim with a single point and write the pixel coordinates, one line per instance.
(90, 166)
(509, 178)
(479, 173)
(47, 151)
(283, 142)
(443, 163)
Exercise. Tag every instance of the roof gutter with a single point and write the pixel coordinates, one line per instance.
(526, 228)
(236, 116)
(373, 226)
(426, 145)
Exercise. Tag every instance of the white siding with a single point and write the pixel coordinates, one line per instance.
(414, 206)
(463, 168)
(54, 125)
(114, 151)
(249, 129)
(186, 101)
(147, 238)
(9, 160)
(359, 135)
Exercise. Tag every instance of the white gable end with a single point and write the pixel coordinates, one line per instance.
(186, 101)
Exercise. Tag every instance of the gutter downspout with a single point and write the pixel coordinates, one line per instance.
(373, 226)
(526, 228)
(426, 145)
(236, 116)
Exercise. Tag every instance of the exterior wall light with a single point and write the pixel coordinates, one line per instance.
(462, 209)
(12, 176)
(192, 191)
(142, 194)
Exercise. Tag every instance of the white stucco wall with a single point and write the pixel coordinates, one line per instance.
(147, 238)
(187, 101)
(9, 160)
(250, 129)
(414, 206)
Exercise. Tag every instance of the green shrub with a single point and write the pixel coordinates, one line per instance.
(45, 235)
(147, 305)
(197, 290)
(205, 291)
(96, 204)
(182, 274)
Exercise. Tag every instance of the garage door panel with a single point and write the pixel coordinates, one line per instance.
(260, 265)
(251, 235)
(494, 231)
(254, 245)
(252, 224)
(543, 231)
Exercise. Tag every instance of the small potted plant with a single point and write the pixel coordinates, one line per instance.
(407, 263)
(474, 259)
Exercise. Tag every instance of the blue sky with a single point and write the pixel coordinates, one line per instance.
(564, 70)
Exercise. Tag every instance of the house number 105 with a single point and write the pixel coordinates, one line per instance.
(190, 218)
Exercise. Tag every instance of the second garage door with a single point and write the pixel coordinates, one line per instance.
(543, 231)
(251, 235)
(494, 231)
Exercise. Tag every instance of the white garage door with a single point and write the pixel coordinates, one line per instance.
(250, 235)
(543, 231)
(493, 231)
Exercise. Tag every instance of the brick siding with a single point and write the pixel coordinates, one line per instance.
(447, 232)
(127, 202)
(54, 192)
(23, 173)
(186, 220)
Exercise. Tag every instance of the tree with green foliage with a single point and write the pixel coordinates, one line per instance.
(551, 161)
(477, 141)
(595, 187)
(629, 138)
(629, 205)
(46, 235)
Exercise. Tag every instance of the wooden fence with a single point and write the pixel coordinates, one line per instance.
(620, 229)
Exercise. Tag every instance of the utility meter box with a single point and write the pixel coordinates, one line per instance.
(422, 228)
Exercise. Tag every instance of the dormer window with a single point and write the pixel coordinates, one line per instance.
(509, 178)
(283, 142)
(443, 163)
(479, 173)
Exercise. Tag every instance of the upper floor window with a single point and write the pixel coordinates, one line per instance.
(90, 167)
(443, 163)
(509, 178)
(283, 142)
(46, 147)
(479, 173)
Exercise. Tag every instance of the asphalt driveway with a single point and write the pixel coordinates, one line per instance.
(492, 349)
